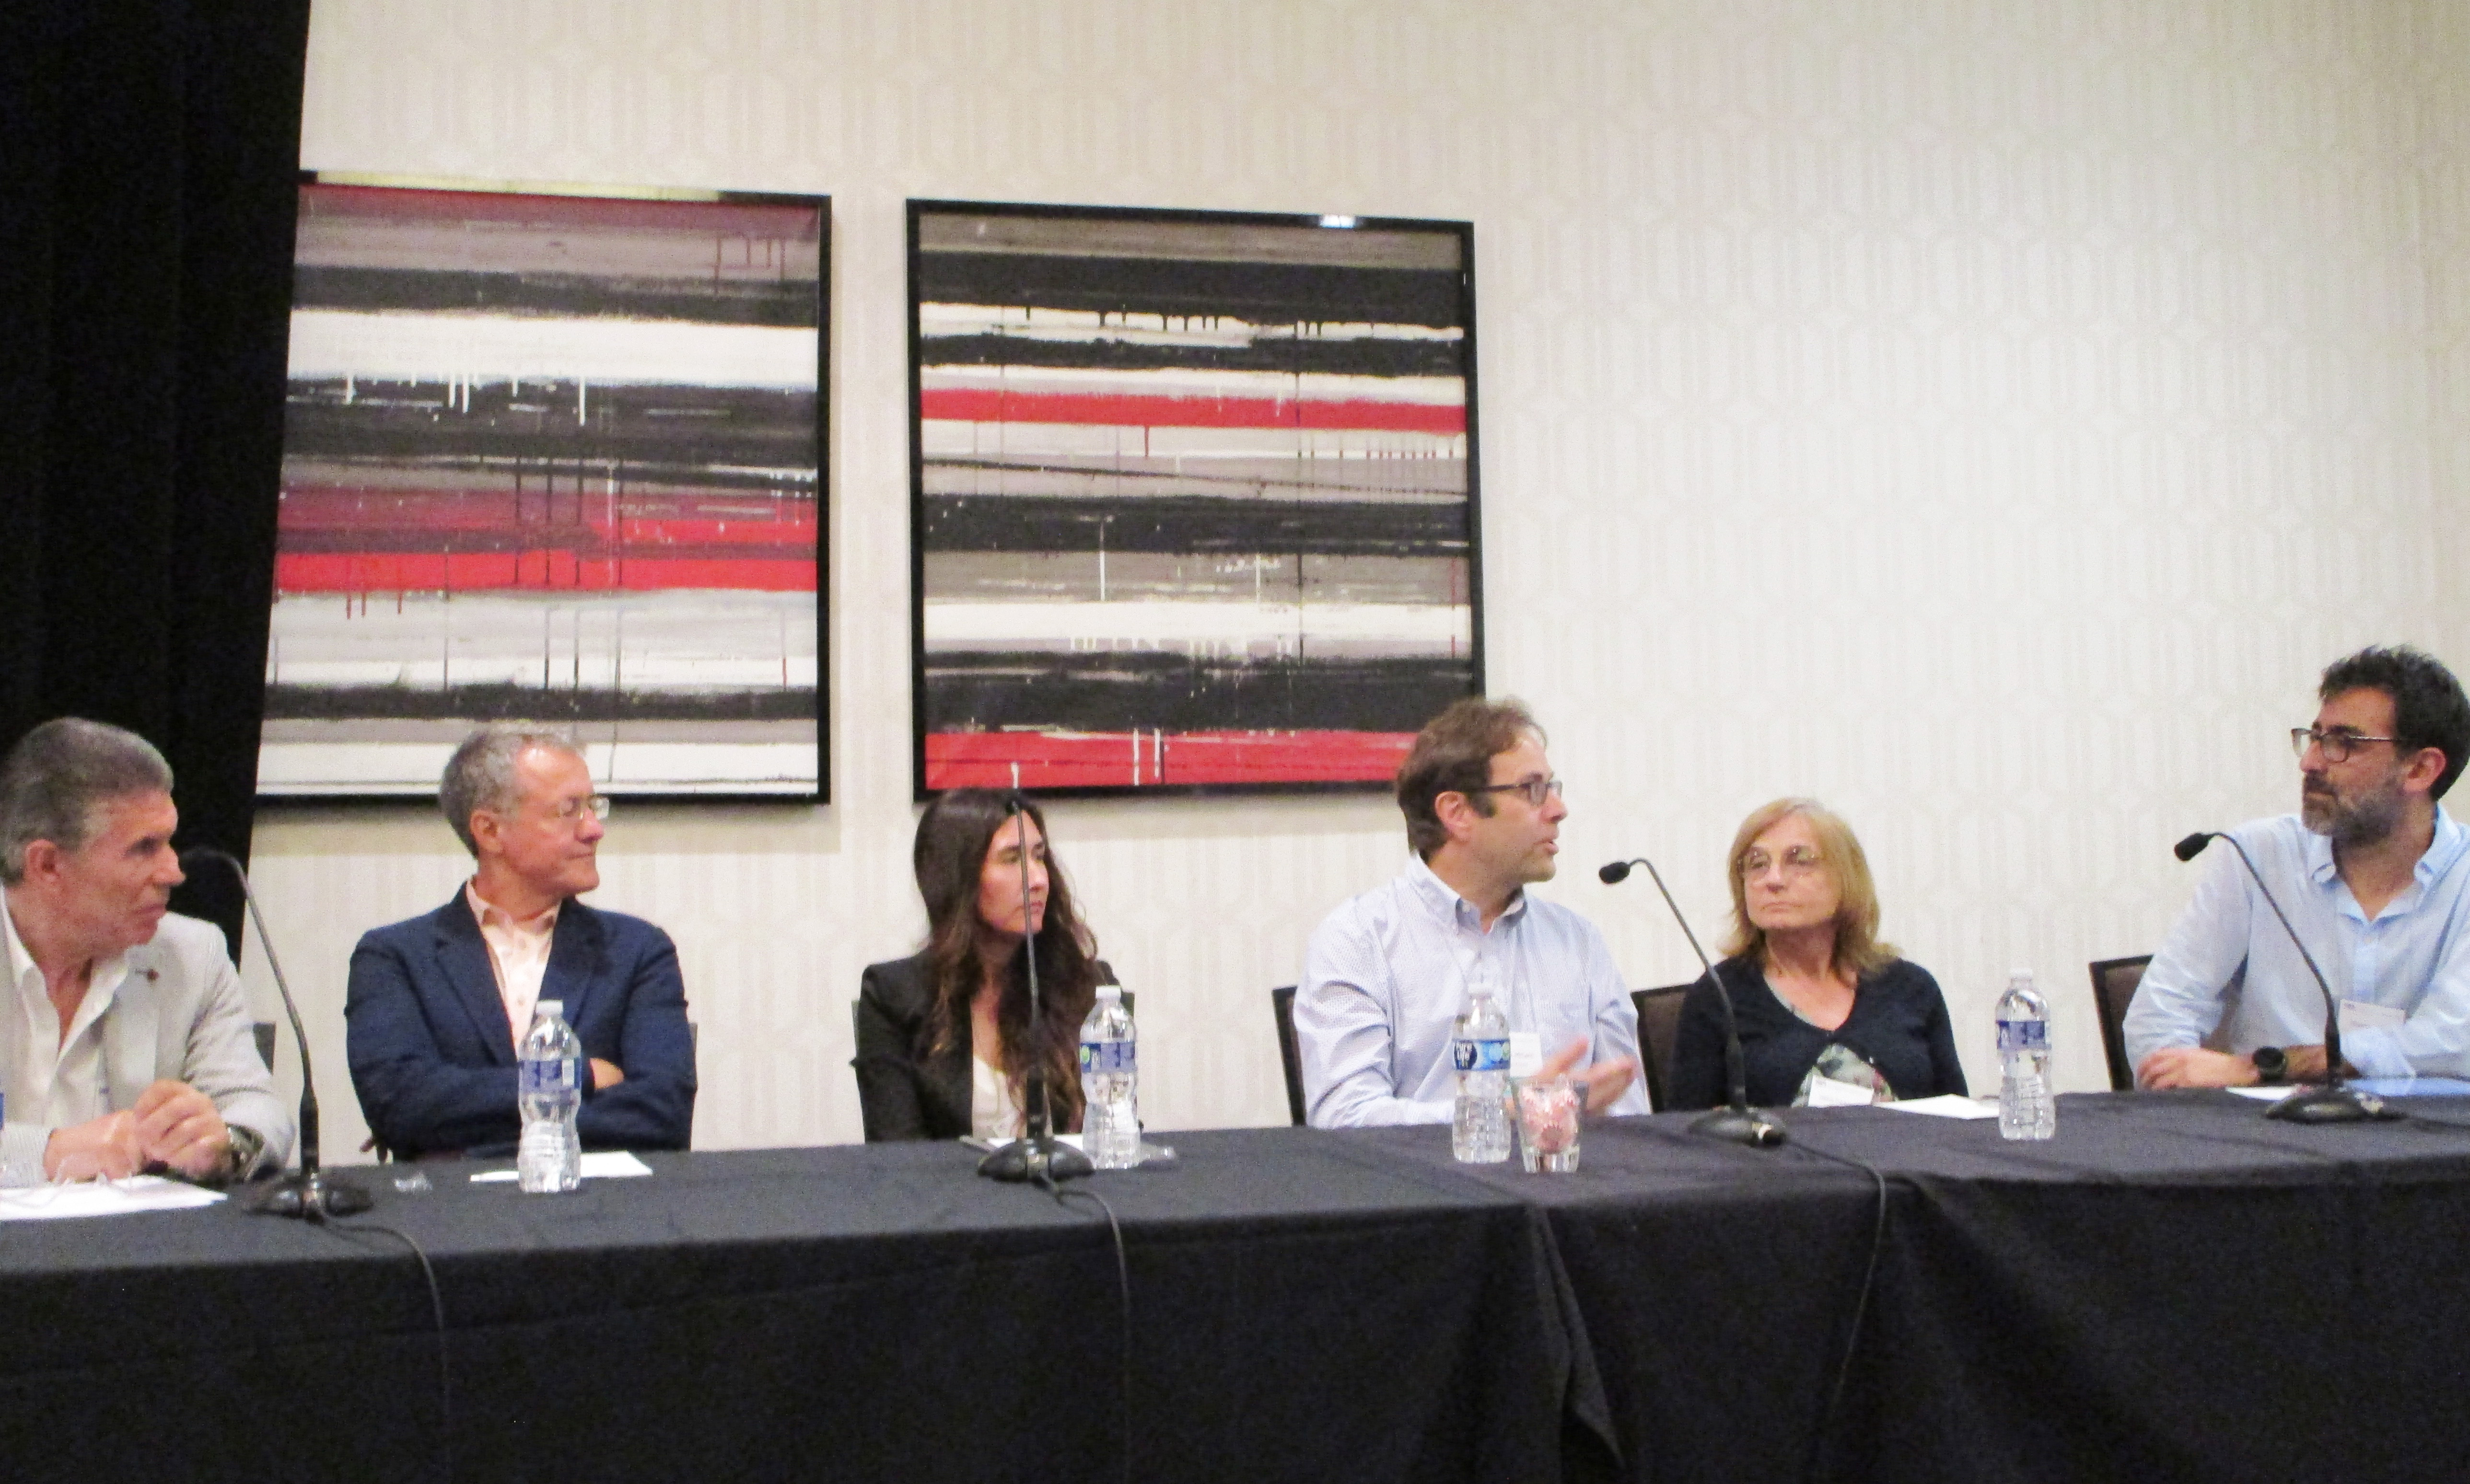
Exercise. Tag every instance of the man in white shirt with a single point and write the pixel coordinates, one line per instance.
(1386, 975)
(127, 1045)
(2376, 879)
(438, 1004)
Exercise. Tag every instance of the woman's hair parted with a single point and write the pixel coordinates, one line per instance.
(1856, 897)
(957, 833)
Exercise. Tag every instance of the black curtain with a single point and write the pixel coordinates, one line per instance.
(149, 167)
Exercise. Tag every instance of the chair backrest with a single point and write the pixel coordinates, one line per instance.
(1658, 1022)
(1291, 1053)
(265, 1031)
(2114, 985)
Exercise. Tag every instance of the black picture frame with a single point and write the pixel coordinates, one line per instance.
(693, 307)
(1368, 317)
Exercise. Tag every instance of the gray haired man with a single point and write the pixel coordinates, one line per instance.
(438, 1003)
(125, 1044)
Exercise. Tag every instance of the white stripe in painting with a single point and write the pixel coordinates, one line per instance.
(1193, 329)
(950, 438)
(1099, 484)
(485, 348)
(412, 768)
(683, 641)
(1173, 625)
(1437, 391)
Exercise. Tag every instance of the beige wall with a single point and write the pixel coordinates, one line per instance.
(1987, 417)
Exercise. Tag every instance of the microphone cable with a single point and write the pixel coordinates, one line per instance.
(438, 1311)
(1816, 1469)
(1124, 1292)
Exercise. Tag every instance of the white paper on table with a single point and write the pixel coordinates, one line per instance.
(2262, 1094)
(1825, 1092)
(1526, 1053)
(102, 1197)
(992, 1144)
(1945, 1105)
(611, 1164)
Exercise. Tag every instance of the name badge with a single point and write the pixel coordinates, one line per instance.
(1825, 1092)
(1526, 1053)
(2367, 1015)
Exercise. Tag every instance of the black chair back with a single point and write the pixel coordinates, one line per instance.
(1291, 1053)
(1659, 1023)
(2114, 985)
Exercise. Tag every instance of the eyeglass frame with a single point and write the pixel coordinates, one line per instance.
(1536, 790)
(2303, 737)
(1749, 869)
(572, 811)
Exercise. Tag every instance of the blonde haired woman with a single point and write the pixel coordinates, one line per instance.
(1827, 1012)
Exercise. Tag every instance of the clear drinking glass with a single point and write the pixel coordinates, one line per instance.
(1547, 1123)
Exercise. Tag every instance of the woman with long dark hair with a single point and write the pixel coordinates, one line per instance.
(944, 1040)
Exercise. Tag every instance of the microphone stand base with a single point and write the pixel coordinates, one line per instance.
(1039, 1159)
(1740, 1126)
(311, 1196)
(2337, 1103)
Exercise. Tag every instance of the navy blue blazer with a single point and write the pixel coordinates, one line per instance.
(434, 1058)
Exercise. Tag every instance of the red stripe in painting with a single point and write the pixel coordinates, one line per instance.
(1122, 759)
(972, 406)
(531, 571)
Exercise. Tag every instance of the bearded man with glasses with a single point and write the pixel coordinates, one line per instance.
(438, 1003)
(2372, 873)
(1386, 976)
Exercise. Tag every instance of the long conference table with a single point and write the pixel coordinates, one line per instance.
(2172, 1289)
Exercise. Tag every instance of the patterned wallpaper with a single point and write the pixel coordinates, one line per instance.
(1985, 417)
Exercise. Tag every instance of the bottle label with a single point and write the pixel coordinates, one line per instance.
(1108, 1058)
(544, 1076)
(1473, 1055)
(2023, 1036)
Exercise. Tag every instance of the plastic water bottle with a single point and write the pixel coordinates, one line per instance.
(1110, 1114)
(1480, 1134)
(2026, 1110)
(551, 1093)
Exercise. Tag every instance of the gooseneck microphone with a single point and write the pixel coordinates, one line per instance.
(2335, 1101)
(1738, 1121)
(1034, 1155)
(307, 1192)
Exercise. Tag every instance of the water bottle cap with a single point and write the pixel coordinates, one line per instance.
(554, 1010)
(1110, 992)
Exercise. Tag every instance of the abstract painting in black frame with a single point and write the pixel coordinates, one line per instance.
(551, 456)
(1193, 495)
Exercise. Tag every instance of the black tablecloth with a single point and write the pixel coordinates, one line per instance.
(2173, 1289)
(1303, 1308)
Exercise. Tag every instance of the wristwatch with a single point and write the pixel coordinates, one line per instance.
(2271, 1065)
(247, 1145)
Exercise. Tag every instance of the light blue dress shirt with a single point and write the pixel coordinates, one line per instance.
(2229, 948)
(1385, 980)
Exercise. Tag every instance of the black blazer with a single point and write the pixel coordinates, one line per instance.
(1899, 1025)
(434, 1059)
(901, 1095)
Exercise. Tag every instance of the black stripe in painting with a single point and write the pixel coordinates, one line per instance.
(1196, 524)
(1361, 357)
(1117, 692)
(742, 438)
(1257, 292)
(787, 304)
(533, 703)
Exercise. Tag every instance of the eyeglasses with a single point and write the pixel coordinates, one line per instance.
(2337, 744)
(1536, 790)
(574, 810)
(1798, 861)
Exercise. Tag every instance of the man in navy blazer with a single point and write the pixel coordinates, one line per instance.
(438, 1003)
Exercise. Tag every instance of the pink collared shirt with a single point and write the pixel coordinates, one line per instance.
(519, 951)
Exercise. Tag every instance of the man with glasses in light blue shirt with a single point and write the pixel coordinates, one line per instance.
(1386, 975)
(2373, 876)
